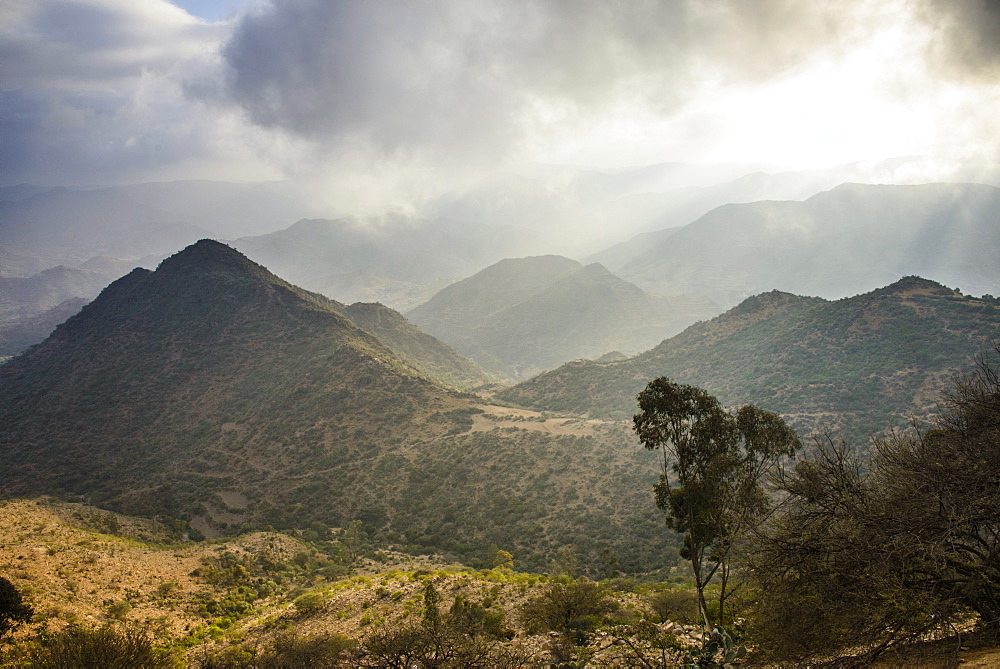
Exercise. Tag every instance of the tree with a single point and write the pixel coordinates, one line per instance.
(13, 610)
(865, 553)
(713, 467)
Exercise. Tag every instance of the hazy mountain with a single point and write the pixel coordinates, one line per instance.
(22, 298)
(426, 353)
(20, 192)
(138, 220)
(522, 316)
(578, 212)
(863, 363)
(394, 253)
(362, 286)
(82, 224)
(212, 390)
(21, 333)
(837, 243)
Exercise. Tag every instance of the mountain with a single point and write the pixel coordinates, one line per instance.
(78, 225)
(578, 212)
(522, 316)
(17, 336)
(426, 353)
(213, 391)
(31, 307)
(392, 254)
(74, 224)
(840, 242)
(22, 298)
(860, 364)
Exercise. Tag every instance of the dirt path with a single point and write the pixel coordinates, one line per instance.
(499, 417)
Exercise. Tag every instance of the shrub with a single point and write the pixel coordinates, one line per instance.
(317, 650)
(562, 605)
(677, 605)
(107, 647)
(119, 610)
(309, 603)
(12, 607)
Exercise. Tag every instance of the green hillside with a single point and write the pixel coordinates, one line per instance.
(214, 392)
(428, 354)
(859, 364)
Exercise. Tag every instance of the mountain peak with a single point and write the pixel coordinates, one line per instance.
(909, 285)
(208, 255)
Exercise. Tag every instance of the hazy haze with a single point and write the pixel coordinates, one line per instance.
(383, 105)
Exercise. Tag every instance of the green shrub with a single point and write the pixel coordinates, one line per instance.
(310, 603)
(562, 605)
(107, 647)
(677, 605)
(119, 610)
(317, 650)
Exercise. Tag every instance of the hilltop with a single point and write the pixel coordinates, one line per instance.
(860, 364)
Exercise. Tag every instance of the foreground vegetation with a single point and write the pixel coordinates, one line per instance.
(270, 599)
(214, 397)
(859, 559)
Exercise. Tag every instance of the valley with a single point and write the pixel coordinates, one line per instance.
(202, 413)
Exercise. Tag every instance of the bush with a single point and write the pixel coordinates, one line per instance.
(310, 603)
(866, 553)
(13, 610)
(677, 605)
(108, 647)
(318, 650)
(562, 605)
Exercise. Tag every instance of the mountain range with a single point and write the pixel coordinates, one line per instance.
(837, 243)
(397, 260)
(71, 225)
(522, 316)
(212, 391)
(858, 365)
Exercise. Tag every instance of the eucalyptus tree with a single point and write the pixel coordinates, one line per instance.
(713, 465)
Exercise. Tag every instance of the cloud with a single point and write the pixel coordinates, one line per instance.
(381, 103)
(966, 37)
(94, 92)
(473, 82)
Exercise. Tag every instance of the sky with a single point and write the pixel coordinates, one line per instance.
(379, 102)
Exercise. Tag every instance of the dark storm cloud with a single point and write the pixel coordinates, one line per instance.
(471, 78)
(967, 36)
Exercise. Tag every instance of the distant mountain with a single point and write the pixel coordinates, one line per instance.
(26, 298)
(138, 220)
(841, 242)
(214, 391)
(363, 286)
(426, 353)
(860, 364)
(81, 224)
(578, 212)
(522, 316)
(390, 253)
(17, 336)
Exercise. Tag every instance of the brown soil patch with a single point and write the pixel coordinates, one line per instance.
(524, 419)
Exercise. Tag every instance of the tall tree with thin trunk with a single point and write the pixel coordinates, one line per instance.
(712, 469)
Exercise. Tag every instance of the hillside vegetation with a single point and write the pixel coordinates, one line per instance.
(861, 364)
(213, 392)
